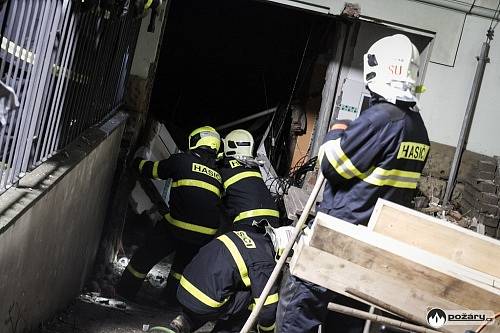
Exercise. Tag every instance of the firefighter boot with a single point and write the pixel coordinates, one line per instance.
(178, 325)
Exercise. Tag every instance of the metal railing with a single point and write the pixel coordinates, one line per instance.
(68, 66)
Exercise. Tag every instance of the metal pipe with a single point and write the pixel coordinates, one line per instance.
(467, 122)
(378, 319)
(277, 269)
(462, 7)
(245, 119)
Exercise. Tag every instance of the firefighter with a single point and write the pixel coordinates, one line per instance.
(224, 280)
(247, 197)
(381, 154)
(193, 217)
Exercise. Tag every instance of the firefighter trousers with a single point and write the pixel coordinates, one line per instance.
(230, 318)
(159, 244)
(303, 306)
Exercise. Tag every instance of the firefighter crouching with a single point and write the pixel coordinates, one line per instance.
(226, 277)
(246, 197)
(193, 218)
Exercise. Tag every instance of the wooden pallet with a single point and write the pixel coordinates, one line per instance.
(395, 276)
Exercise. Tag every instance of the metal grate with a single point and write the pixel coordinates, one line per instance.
(68, 66)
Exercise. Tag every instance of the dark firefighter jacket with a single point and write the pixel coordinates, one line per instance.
(247, 197)
(380, 155)
(241, 260)
(195, 193)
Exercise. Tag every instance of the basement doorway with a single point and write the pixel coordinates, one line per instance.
(224, 60)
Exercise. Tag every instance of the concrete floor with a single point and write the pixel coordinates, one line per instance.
(100, 312)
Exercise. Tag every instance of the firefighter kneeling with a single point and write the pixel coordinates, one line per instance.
(226, 277)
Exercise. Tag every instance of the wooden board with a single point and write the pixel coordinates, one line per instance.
(439, 237)
(341, 256)
(339, 275)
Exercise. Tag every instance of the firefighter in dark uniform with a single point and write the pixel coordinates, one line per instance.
(246, 197)
(193, 217)
(381, 154)
(224, 280)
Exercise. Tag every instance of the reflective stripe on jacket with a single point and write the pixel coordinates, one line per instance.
(194, 196)
(380, 155)
(236, 261)
(247, 197)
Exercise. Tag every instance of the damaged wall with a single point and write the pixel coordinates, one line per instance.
(50, 227)
(477, 193)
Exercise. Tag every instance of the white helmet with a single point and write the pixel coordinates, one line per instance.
(239, 144)
(391, 68)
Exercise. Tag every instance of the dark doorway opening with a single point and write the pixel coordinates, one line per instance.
(226, 59)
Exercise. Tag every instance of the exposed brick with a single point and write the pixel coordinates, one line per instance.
(468, 209)
(487, 208)
(484, 186)
(486, 175)
(470, 198)
(497, 159)
(487, 165)
(489, 198)
(489, 220)
(490, 231)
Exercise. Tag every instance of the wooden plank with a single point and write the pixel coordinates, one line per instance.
(358, 244)
(441, 238)
(338, 274)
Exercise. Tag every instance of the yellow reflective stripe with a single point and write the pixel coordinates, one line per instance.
(135, 273)
(375, 176)
(197, 183)
(176, 275)
(397, 173)
(155, 169)
(148, 4)
(271, 299)
(190, 226)
(255, 213)
(394, 178)
(240, 176)
(339, 160)
(199, 295)
(141, 165)
(238, 259)
(261, 328)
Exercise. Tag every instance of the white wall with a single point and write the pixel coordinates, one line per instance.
(445, 101)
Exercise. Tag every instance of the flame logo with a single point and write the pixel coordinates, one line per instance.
(436, 318)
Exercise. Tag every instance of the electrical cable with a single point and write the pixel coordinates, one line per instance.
(462, 31)
(491, 31)
(292, 93)
(495, 17)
